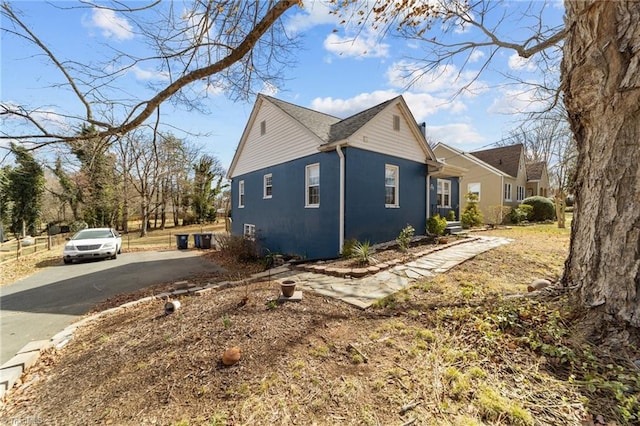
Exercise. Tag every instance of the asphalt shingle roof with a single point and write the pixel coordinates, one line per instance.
(327, 127)
(317, 122)
(534, 170)
(504, 158)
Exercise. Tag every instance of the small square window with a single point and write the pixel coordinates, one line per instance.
(474, 188)
(249, 232)
(268, 186)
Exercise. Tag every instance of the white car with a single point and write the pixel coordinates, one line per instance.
(92, 243)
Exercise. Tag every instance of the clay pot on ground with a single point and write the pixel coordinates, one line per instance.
(231, 356)
(288, 287)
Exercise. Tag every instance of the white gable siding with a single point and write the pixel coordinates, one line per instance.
(378, 136)
(285, 140)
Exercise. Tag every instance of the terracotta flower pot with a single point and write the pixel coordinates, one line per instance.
(288, 287)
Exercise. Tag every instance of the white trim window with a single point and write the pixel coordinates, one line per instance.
(312, 185)
(249, 232)
(241, 194)
(391, 185)
(519, 193)
(507, 192)
(267, 191)
(444, 193)
(474, 188)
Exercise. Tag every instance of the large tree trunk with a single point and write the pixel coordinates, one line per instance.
(601, 77)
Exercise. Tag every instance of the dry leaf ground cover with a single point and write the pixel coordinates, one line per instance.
(450, 350)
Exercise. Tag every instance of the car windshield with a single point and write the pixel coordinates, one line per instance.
(92, 233)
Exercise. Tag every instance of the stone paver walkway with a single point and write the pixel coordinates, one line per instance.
(363, 292)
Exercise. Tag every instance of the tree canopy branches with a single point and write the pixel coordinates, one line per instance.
(230, 46)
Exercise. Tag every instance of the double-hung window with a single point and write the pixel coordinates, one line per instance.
(241, 194)
(444, 193)
(249, 232)
(312, 191)
(520, 193)
(268, 186)
(391, 184)
(507, 192)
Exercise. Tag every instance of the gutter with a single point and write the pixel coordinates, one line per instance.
(341, 209)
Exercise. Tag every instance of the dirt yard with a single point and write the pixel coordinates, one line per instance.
(450, 350)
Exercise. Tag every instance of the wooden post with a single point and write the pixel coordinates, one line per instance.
(19, 249)
(49, 242)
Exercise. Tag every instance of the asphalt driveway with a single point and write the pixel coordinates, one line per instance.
(38, 307)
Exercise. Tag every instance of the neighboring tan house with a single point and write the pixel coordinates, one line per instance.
(498, 176)
(303, 182)
(537, 179)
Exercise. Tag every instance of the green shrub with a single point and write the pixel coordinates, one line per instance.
(471, 216)
(543, 208)
(436, 225)
(405, 236)
(521, 213)
(362, 252)
(451, 216)
(347, 248)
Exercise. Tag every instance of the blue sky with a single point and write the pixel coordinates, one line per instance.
(339, 73)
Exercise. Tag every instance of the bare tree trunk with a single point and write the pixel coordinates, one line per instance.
(601, 80)
(560, 208)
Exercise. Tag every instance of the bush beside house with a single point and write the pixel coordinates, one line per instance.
(543, 208)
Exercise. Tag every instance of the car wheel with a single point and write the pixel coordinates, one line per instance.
(115, 256)
(67, 261)
(119, 250)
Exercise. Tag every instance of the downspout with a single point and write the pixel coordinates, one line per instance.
(341, 213)
(501, 194)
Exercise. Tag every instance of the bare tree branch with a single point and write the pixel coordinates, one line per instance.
(229, 44)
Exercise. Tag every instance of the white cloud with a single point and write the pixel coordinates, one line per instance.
(346, 107)
(518, 63)
(521, 99)
(315, 13)
(460, 135)
(112, 26)
(142, 74)
(421, 105)
(269, 89)
(444, 80)
(357, 46)
(476, 55)
(49, 118)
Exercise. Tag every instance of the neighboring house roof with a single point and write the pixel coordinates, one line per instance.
(470, 158)
(534, 170)
(504, 158)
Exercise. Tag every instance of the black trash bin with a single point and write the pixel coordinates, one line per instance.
(182, 241)
(197, 240)
(205, 241)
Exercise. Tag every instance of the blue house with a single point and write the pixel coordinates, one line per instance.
(303, 182)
